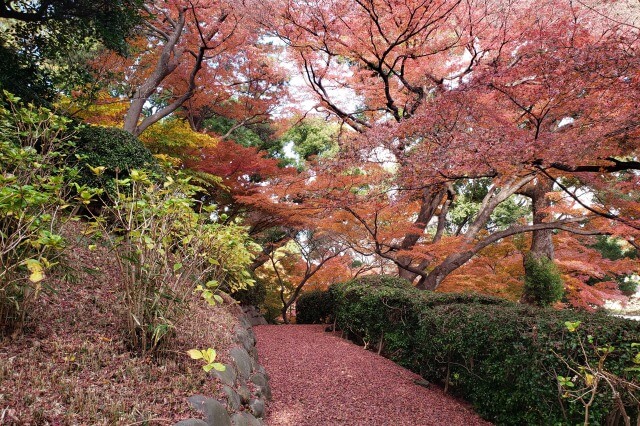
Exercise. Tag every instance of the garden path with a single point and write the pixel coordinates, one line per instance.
(317, 378)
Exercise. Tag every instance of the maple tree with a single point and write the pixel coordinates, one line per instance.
(541, 107)
(294, 265)
(195, 59)
(469, 123)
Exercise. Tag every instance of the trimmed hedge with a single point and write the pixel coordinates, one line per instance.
(314, 307)
(113, 148)
(502, 357)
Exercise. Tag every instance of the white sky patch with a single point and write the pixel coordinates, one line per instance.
(453, 80)
(384, 157)
(312, 176)
(289, 152)
(302, 95)
(338, 93)
(566, 121)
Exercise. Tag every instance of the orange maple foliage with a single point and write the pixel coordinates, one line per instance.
(449, 93)
(205, 55)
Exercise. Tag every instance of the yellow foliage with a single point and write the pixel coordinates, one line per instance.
(175, 138)
(105, 111)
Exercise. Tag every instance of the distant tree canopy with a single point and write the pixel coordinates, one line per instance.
(42, 43)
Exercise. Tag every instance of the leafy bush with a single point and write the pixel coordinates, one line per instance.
(314, 307)
(628, 287)
(111, 151)
(253, 295)
(166, 247)
(32, 189)
(509, 360)
(272, 313)
(542, 282)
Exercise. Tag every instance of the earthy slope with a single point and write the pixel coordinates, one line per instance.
(319, 379)
(72, 366)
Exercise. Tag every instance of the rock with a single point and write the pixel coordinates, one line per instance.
(244, 319)
(244, 393)
(258, 320)
(253, 356)
(263, 371)
(215, 413)
(252, 334)
(264, 393)
(228, 376)
(191, 422)
(245, 419)
(233, 399)
(421, 382)
(245, 338)
(253, 316)
(257, 407)
(197, 401)
(242, 360)
(267, 392)
(263, 385)
(259, 379)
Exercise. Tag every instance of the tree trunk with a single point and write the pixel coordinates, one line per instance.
(167, 63)
(440, 272)
(430, 202)
(456, 260)
(542, 240)
(285, 318)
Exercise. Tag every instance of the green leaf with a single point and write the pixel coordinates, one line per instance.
(97, 170)
(195, 354)
(572, 326)
(219, 299)
(177, 267)
(210, 355)
(606, 350)
(36, 269)
(218, 366)
(207, 367)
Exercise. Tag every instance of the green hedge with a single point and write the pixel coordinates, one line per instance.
(314, 307)
(116, 150)
(502, 357)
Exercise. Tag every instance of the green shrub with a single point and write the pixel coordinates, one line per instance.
(314, 307)
(115, 150)
(32, 192)
(251, 296)
(542, 282)
(272, 313)
(627, 287)
(508, 360)
(166, 248)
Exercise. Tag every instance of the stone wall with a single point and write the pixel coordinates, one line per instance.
(253, 315)
(245, 385)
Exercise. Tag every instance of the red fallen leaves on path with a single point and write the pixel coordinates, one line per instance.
(319, 379)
